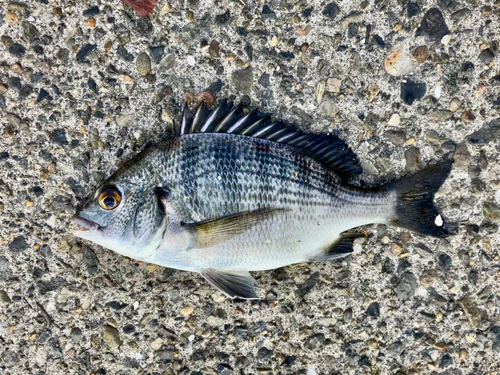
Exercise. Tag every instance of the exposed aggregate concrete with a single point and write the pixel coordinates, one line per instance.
(84, 85)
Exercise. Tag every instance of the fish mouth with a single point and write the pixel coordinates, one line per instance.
(85, 224)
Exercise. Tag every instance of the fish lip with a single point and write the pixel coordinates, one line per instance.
(85, 223)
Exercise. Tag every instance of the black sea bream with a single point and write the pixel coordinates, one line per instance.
(234, 192)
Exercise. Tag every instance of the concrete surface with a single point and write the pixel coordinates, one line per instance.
(81, 91)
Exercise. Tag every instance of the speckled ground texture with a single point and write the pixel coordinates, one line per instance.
(85, 84)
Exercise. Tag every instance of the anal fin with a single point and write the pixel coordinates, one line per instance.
(340, 248)
(234, 284)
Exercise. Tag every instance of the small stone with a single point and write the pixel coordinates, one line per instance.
(18, 244)
(463, 354)
(440, 58)
(421, 54)
(491, 212)
(214, 49)
(57, 11)
(413, 9)
(6, 40)
(444, 262)
(315, 341)
(166, 116)
(59, 136)
(8, 132)
(14, 83)
(331, 11)
(17, 7)
(223, 19)
(373, 91)
(396, 136)
(264, 355)
(264, 80)
(455, 289)
(124, 54)
(439, 115)
(274, 41)
(486, 11)
(373, 310)
(385, 240)
(455, 104)
(399, 63)
(468, 116)
(302, 32)
(446, 361)
(206, 97)
(470, 337)
(126, 78)
(486, 56)
(187, 310)
(488, 132)
(462, 156)
(16, 68)
(17, 49)
(446, 40)
(4, 297)
(165, 8)
(90, 12)
(267, 13)
(410, 91)
(157, 344)
(428, 278)
(111, 336)
(243, 80)
(125, 120)
(406, 286)
(157, 53)
(333, 85)
(320, 90)
(412, 156)
(434, 25)
(13, 119)
(143, 64)
(396, 249)
(474, 313)
(108, 45)
(3, 89)
(395, 120)
(42, 95)
(191, 60)
(84, 51)
(11, 18)
(460, 14)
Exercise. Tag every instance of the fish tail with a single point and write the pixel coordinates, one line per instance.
(415, 209)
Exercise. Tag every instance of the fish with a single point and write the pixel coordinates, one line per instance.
(233, 191)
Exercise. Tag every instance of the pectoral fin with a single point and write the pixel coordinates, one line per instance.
(214, 231)
(234, 284)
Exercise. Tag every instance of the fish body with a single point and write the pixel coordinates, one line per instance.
(221, 203)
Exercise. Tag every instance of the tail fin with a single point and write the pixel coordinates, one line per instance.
(415, 208)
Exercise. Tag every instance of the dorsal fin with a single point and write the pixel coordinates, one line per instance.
(226, 118)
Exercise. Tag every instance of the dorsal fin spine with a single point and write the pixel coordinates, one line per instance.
(226, 118)
(241, 121)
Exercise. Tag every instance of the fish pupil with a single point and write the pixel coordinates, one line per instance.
(109, 202)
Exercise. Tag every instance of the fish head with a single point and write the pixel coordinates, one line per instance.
(123, 214)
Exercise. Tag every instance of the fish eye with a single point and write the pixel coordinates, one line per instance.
(110, 198)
